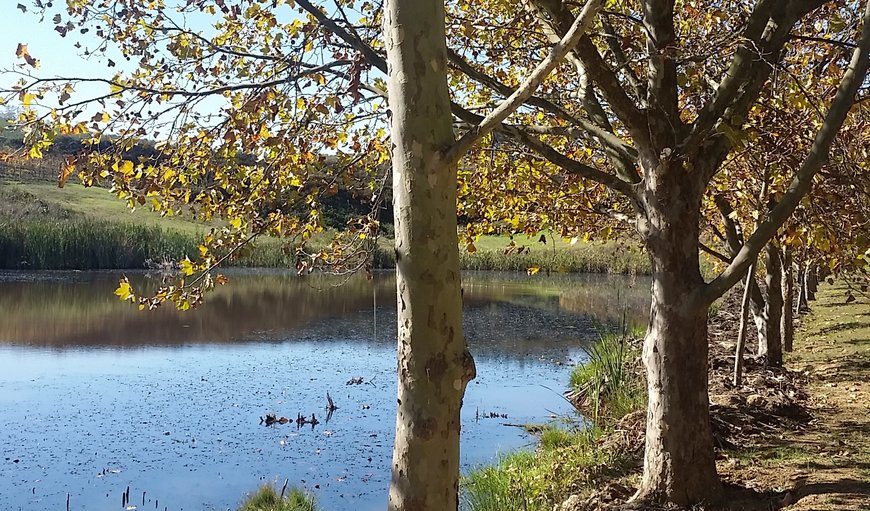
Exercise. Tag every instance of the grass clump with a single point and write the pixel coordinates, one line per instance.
(565, 463)
(608, 386)
(267, 499)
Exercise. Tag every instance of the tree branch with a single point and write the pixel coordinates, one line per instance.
(766, 32)
(658, 18)
(356, 43)
(528, 87)
(802, 182)
(605, 137)
(718, 255)
(623, 106)
(550, 154)
(625, 165)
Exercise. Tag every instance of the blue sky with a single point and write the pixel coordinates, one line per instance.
(57, 55)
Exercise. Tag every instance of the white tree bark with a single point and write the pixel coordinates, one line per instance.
(434, 365)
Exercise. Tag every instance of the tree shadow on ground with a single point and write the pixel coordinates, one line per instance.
(845, 488)
(839, 327)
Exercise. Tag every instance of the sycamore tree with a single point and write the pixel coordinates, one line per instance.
(626, 127)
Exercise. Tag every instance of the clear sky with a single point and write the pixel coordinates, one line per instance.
(57, 55)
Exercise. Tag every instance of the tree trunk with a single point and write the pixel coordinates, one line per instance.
(812, 282)
(802, 304)
(679, 464)
(787, 327)
(771, 348)
(741, 334)
(434, 365)
(759, 311)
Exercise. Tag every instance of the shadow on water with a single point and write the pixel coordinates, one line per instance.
(96, 396)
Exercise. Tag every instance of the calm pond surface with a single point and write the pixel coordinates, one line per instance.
(96, 397)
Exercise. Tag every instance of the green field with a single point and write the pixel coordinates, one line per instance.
(94, 203)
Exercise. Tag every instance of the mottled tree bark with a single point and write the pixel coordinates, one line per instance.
(434, 365)
(679, 465)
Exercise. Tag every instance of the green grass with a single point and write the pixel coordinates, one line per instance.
(99, 204)
(267, 499)
(567, 461)
(607, 386)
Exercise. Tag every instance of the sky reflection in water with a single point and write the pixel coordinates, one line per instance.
(96, 396)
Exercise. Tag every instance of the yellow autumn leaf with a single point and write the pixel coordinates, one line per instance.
(124, 167)
(187, 266)
(125, 291)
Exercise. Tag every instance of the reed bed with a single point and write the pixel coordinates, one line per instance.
(88, 245)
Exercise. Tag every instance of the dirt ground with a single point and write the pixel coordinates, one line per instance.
(820, 462)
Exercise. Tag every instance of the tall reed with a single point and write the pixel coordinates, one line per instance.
(88, 245)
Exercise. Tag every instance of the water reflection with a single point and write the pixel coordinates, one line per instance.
(96, 396)
(65, 309)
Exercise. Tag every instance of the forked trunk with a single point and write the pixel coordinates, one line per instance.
(770, 346)
(679, 464)
(433, 363)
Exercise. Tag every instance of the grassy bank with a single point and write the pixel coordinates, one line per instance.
(570, 461)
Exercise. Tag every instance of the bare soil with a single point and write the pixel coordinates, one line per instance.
(824, 463)
(795, 438)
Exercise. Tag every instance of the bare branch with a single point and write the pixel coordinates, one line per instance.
(198, 93)
(718, 255)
